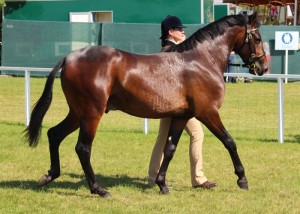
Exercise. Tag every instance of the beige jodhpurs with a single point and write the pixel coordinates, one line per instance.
(195, 131)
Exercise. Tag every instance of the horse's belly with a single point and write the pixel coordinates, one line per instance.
(148, 108)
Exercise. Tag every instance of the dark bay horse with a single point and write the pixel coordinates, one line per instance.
(185, 82)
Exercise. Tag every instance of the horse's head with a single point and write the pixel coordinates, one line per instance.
(251, 51)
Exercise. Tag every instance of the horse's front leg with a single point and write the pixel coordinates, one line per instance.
(211, 119)
(175, 131)
(83, 149)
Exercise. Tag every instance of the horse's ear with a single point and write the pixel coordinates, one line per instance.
(253, 20)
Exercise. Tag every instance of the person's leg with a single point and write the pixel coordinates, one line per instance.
(158, 150)
(198, 178)
(195, 131)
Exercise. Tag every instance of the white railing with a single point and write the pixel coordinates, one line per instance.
(278, 77)
(26, 84)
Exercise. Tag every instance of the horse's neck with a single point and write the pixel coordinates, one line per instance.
(236, 36)
(225, 44)
(217, 51)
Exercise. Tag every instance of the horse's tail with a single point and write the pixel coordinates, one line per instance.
(33, 130)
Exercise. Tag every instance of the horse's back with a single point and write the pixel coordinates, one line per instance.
(90, 54)
(90, 61)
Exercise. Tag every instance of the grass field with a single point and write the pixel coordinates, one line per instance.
(121, 155)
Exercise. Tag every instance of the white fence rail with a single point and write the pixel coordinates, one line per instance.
(26, 84)
(279, 77)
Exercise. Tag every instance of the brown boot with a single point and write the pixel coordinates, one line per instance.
(207, 185)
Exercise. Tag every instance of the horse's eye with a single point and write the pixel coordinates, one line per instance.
(257, 40)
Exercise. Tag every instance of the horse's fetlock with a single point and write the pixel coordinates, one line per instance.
(161, 177)
(53, 174)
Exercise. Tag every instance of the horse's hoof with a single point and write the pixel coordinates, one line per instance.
(44, 180)
(102, 192)
(106, 195)
(164, 190)
(243, 184)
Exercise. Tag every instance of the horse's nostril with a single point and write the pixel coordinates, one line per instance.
(266, 69)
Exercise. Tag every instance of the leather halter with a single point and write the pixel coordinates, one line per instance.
(253, 58)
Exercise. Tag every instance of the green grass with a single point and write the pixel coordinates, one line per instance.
(121, 154)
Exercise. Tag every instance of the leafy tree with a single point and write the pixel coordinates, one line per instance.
(2, 3)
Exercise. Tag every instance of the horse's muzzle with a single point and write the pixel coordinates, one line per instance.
(258, 69)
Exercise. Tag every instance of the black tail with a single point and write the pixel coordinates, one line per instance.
(33, 130)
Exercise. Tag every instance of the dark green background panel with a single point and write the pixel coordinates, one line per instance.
(129, 11)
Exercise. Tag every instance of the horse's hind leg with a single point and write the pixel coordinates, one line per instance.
(214, 124)
(55, 136)
(88, 128)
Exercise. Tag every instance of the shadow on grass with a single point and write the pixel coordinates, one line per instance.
(104, 181)
(294, 139)
(288, 139)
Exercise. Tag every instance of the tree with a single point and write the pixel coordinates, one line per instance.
(2, 3)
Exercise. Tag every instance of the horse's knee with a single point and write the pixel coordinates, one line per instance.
(82, 151)
(79, 148)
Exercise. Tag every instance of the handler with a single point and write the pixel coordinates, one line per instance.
(172, 33)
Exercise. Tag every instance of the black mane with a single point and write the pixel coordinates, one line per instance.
(209, 32)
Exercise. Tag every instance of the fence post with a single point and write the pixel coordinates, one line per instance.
(145, 126)
(27, 97)
(280, 111)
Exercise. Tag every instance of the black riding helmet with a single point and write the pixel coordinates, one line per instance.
(168, 23)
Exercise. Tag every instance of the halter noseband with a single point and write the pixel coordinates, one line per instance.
(253, 58)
